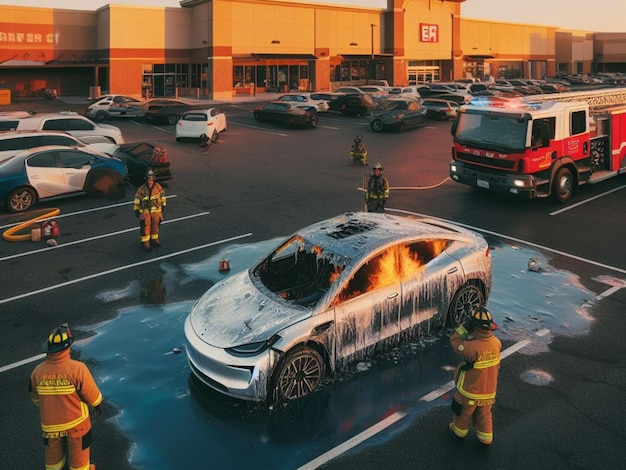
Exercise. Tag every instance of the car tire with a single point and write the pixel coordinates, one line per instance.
(100, 116)
(563, 185)
(464, 301)
(377, 125)
(172, 118)
(314, 121)
(300, 373)
(21, 199)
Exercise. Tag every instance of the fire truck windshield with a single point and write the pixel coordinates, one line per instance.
(504, 132)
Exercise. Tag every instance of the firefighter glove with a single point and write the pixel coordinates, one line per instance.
(467, 366)
(137, 214)
(98, 409)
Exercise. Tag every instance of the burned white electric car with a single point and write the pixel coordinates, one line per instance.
(331, 294)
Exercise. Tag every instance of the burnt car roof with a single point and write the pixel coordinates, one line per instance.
(368, 231)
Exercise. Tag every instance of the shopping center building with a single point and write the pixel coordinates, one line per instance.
(221, 48)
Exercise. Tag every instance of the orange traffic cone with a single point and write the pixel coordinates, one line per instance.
(224, 266)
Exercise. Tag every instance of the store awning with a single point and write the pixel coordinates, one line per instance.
(479, 57)
(284, 56)
(366, 56)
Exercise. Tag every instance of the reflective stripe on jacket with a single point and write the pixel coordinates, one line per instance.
(149, 199)
(482, 350)
(62, 388)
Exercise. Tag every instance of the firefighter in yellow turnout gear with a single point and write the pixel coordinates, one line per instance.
(63, 389)
(476, 378)
(148, 206)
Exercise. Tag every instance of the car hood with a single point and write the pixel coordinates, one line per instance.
(234, 312)
(110, 127)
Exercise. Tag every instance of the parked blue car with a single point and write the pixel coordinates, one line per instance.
(46, 172)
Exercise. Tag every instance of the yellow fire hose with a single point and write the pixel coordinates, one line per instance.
(9, 234)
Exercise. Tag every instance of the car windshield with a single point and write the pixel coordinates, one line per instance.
(496, 131)
(300, 271)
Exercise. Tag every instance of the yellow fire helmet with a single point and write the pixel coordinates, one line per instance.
(482, 318)
(59, 339)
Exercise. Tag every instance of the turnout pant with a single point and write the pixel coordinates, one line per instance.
(149, 227)
(74, 444)
(480, 415)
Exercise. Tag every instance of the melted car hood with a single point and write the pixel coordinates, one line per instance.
(234, 312)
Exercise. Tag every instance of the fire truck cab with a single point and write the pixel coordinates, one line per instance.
(532, 147)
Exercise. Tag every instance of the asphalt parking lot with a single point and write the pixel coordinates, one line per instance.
(262, 182)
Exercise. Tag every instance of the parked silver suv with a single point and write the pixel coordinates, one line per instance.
(13, 142)
(70, 122)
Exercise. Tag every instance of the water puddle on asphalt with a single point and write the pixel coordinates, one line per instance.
(139, 361)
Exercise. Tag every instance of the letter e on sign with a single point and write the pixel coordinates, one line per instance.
(429, 32)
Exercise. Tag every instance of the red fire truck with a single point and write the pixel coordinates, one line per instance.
(541, 145)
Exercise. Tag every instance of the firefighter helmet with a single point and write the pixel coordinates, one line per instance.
(59, 339)
(378, 166)
(150, 174)
(482, 318)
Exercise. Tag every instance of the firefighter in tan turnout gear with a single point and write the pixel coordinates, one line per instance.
(476, 378)
(63, 389)
(148, 205)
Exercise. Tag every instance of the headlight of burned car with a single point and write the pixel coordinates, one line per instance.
(252, 349)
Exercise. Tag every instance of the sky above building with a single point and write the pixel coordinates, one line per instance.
(599, 15)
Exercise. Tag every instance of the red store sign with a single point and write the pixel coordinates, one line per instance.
(429, 32)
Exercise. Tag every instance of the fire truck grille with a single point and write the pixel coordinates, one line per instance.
(484, 161)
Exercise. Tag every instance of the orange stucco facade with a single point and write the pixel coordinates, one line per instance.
(217, 48)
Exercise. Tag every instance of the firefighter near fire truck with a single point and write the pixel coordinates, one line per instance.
(540, 145)
(377, 191)
(148, 206)
(476, 378)
(64, 389)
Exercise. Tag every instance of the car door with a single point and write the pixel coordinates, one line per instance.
(76, 165)
(75, 126)
(367, 307)
(431, 279)
(45, 175)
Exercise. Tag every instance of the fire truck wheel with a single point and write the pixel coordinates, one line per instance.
(563, 186)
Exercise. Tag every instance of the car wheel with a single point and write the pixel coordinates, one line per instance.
(299, 374)
(205, 142)
(177, 139)
(401, 127)
(464, 301)
(215, 137)
(313, 123)
(377, 125)
(100, 116)
(21, 199)
(172, 118)
(563, 186)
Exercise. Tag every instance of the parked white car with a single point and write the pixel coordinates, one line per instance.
(72, 123)
(411, 91)
(305, 99)
(108, 106)
(192, 124)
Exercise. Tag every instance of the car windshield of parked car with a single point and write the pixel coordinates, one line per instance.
(300, 271)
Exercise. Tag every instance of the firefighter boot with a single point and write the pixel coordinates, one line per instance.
(146, 246)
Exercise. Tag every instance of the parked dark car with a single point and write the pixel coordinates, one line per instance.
(354, 104)
(398, 113)
(286, 113)
(167, 110)
(139, 158)
(440, 109)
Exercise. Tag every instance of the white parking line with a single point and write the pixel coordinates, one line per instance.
(516, 240)
(97, 237)
(354, 441)
(560, 211)
(121, 268)
(85, 211)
